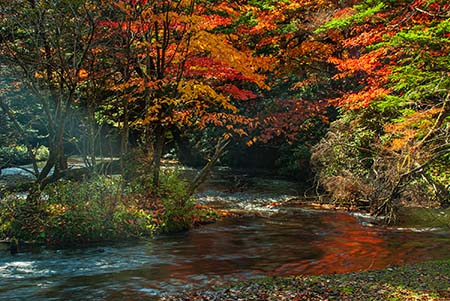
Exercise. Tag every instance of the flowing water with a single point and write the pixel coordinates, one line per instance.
(273, 240)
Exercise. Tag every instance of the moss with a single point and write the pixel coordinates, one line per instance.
(423, 217)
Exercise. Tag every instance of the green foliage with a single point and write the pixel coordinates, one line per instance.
(391, 150)
(265, 4)
(18, 154)
(175, 208)
(349, 144)
(419, 76)
(101, 209)
(362, 13)
(439, 171)
(178, 206)
(77, 212)
(87, 211)
(204, 215)
(293, 160)
(358, 164)
(41, 153)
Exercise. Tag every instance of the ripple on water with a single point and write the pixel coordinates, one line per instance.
(291, 241)
(19, 270)
(257, 203)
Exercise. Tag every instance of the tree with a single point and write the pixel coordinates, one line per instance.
(175, 69)
(46, 44)
(281, 34)
(393, 68)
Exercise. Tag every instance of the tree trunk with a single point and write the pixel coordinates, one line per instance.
(160, 135)
(201, 176)
(124, 138)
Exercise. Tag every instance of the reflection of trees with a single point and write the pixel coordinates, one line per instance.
(349, 247)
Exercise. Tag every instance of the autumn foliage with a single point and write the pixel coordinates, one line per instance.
(256, 72)
(392, 69)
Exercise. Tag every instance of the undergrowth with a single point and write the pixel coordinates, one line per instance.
(100, 209)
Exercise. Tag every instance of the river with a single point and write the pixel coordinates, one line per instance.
(271, 240)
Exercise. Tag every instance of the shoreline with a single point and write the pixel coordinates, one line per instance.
(422, 281)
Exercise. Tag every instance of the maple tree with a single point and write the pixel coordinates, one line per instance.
(393, 71)
(151, 67)
(174, 69)
(283, 32)
(162, 67)
(292, 113)
(261, 72)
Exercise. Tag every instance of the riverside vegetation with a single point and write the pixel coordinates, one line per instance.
(103, 208)
(349, 97)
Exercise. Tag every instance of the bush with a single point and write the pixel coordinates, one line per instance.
(41, 153)
(357, 165)
(340, 161)
(101, 209)
(95, 210)
(171, 200)
(74, 213)
(178, 206)
(18, 155)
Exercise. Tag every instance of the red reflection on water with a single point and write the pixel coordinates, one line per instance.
(350, 247)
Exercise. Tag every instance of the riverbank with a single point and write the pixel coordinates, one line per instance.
(99, 209)
(424, 281)
(280, 242)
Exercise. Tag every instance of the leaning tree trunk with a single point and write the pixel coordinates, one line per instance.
(201, 176)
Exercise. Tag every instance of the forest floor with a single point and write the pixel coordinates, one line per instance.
(425, 281)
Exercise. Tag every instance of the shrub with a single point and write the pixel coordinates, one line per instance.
(18, 154)
(77, 212)
(101, 209)
(357, 165)
(41, 153)
(171, 199)
(340, 161)
(178, 206)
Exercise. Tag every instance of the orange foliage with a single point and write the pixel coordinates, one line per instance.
(410, 128)
(372, 67)
(176, 66)
(361, 99)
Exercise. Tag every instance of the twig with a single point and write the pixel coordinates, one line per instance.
(431, 14)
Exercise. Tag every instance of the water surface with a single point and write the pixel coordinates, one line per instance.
(276, 241)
